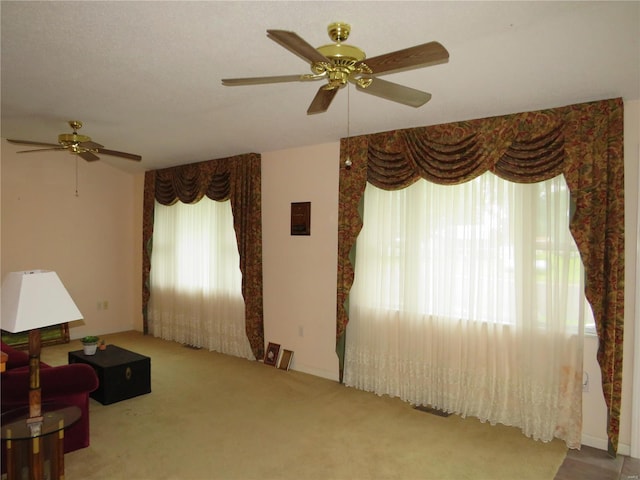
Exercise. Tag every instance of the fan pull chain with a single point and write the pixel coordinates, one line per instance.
(348, 162)
(77, 194)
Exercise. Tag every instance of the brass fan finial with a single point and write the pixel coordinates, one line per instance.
(338, 31)
(75, 125)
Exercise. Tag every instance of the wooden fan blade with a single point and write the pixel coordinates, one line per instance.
(42, 149)
(396, 93)
(232, 82)
(295, 44)
(90, 145)
(114, 153)
(27, 142)
(89, 156)
(424, 55)
(322, 100)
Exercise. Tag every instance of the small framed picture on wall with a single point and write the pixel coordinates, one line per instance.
(301, 218)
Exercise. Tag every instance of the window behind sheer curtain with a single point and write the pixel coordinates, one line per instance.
(196, 295)
(469, 298)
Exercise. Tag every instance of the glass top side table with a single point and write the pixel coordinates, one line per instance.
(28, 443)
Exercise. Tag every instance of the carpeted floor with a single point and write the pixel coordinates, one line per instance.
(212, 416)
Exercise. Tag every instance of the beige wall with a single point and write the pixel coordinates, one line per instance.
(94, 242)
(631, 392)
(300, 271)
(90, 240)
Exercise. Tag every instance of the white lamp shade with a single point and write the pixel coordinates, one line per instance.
(35, 299)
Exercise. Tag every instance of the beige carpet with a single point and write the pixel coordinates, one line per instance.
(211, 416)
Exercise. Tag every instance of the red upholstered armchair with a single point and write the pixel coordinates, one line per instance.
(68, 384)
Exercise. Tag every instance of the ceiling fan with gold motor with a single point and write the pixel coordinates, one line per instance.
(341, 64)
(76, 144)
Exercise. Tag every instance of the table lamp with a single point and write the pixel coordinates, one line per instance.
(31, 300)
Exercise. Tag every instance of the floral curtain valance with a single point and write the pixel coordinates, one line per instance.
(237, 179)
(189, 184)
(584, 142)
(450, 155)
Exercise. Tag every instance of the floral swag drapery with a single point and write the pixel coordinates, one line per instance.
(237, 179)
(584, 142)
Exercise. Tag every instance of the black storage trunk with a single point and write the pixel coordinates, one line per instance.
(122, 374)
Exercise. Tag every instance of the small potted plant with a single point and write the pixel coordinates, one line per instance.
(89, 344)
(102, 345)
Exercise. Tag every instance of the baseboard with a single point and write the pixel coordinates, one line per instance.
(602, 443)
(316, 372)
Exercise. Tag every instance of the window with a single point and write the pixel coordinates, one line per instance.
(474, 251)
(469, 298)
(196, 295)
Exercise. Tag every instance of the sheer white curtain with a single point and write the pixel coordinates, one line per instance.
(196, 295)
(469, 298)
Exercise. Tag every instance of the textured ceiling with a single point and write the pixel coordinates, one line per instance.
(144, 77)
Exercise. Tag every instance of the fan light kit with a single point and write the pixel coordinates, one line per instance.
(341, 64)
(77, 144)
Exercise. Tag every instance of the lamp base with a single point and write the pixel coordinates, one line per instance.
(35, 426)
(35, 401)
